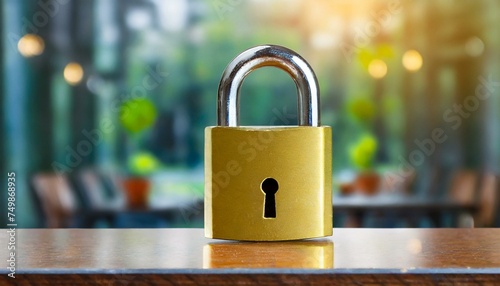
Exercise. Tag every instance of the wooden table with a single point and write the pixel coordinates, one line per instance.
(169, 209)
(184, 256)
(400, 203)
(172, 209)
(403, 206)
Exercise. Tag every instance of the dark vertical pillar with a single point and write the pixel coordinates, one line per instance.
(194, 102)
(37, 112)
(15, 100)
(471, 129)
(379, 124)
(408, 88)
(40, 112)
(83, 108)
(431, 106)
(120, 76)
(379, 92)
(468, 69)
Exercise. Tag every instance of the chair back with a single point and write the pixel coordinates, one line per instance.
(91, 188)
(487, 200)
(57, 200)
(463, 186)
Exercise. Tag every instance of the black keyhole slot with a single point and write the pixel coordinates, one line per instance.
(269, 186)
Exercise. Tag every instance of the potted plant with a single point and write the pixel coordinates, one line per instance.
(362, 155)
(136, 116)
(137, 184)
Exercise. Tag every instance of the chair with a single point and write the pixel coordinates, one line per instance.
(463, 187)
(90, 189)
(105, 202)
(439, 180)
(100, 197)
(112, 185)
(488, 201)
(497, 211)
(56, 199)
(399, 183)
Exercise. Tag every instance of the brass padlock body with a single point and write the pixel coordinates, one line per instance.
(238, 159)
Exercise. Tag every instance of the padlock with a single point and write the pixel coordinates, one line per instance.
(268, 183)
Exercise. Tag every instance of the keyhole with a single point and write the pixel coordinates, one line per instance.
(269, 186)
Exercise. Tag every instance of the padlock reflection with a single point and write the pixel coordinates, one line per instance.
(289, 254)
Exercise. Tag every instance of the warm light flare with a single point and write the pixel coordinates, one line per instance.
(30, 45)
(414, 246)
(73, 73)
(412, 60)
(377, 68)
(474, 47)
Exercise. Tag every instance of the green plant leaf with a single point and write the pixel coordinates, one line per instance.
(137, 114)
(363, 152)
(143, 163)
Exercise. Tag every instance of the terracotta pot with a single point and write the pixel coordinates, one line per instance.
(136, 192)
(367, 183)
(347, 188)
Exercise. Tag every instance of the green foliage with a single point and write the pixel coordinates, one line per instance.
(362, 109)
(142, 164)
(367, 54)
(363, 152)
(137, 114)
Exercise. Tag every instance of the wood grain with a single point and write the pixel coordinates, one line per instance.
(255, 279)
(185, 257)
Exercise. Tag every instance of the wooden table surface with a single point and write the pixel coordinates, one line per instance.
(184, 256)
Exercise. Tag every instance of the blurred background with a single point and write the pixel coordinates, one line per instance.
(104, 103)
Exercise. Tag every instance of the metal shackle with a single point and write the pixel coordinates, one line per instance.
(228, 100)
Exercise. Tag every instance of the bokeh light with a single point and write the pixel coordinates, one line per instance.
(412, 60)
(377, 68)
(30, 45)
(414, 246)
(474, 47)
(73, 73)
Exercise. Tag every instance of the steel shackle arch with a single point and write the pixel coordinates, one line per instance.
(228, 100)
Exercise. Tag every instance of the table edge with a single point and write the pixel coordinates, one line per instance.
(225, 271)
